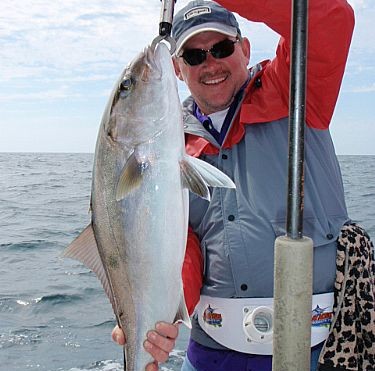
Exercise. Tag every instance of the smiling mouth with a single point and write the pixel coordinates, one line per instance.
(214, 81)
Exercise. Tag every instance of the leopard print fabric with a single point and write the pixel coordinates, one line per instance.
(351, 342)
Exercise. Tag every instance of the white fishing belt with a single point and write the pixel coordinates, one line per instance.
(246, 324)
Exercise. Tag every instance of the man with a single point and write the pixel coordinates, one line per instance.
(237, 120)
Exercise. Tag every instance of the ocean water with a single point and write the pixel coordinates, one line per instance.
(54, 314)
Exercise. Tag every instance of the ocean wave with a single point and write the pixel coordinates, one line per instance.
(20, 337)
(176, 357)
(174, 363)
(13, 304)
(54, 299)
(26, 245)
(100, 366)
(368, 195)
(109, 323)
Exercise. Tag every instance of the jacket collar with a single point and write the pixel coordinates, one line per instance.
(198, 139)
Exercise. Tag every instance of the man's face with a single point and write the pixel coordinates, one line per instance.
(215, 82)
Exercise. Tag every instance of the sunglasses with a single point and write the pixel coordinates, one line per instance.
(220, 50)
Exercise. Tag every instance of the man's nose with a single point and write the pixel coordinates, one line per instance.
(210, 60)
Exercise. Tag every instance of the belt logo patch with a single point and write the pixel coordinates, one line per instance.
(321, 317)
(212, 318)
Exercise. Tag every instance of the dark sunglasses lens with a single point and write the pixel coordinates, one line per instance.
(223, 49)
(194, 56)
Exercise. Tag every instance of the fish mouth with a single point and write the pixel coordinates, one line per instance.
(152, 63)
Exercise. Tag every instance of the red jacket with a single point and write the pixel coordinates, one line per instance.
(331, 24)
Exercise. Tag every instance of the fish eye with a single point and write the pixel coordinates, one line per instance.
(125, 87)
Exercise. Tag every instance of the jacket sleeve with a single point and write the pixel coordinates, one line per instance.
(330, 29)
(192, 271)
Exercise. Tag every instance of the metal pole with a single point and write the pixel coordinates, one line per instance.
(297, 113)
(293, 252)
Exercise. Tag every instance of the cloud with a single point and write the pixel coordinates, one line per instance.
(362, 4)
(56, 40)
(361, 89)
(65, 55)
(57, 50)
(44, 95)
(67, 35)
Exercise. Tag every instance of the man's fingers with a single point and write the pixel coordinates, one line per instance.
(159, 343)
(118, 336)
(163, 343)
(157, 353)
(167, 329)
(152, 366)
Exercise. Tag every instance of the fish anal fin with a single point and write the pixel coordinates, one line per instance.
(84, 249)
(182, 314)
(131, 176)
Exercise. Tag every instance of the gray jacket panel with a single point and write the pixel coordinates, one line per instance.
(237, 229)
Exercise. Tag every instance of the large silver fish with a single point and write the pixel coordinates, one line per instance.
(141, 177)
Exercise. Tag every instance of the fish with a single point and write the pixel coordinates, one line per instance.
(141, 181)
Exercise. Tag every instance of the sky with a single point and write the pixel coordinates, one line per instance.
(60, 59)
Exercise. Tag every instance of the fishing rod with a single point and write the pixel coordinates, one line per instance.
(294, 252)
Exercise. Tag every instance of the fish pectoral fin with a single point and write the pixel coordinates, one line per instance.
(182, 314)
(131, 176)
(197, 175)
(84, 249)
(193, 180)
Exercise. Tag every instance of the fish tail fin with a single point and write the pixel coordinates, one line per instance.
(197, 175)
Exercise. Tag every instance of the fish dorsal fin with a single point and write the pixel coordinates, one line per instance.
(182, 314)
(84, 249)
(197, 175)
(131, 176)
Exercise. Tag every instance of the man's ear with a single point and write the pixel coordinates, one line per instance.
(177, 69)
(245, 45)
